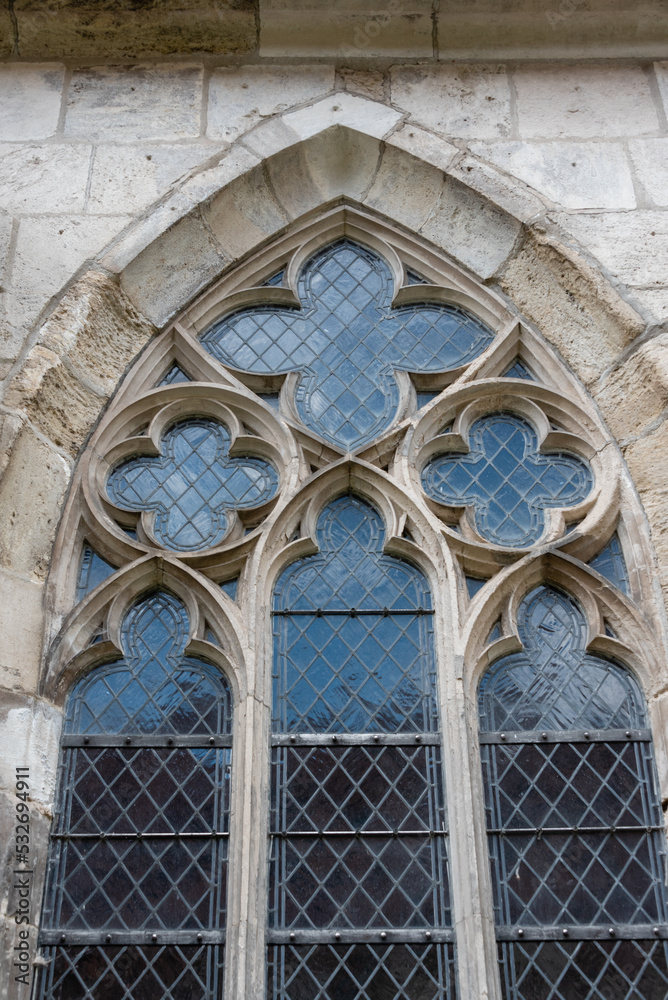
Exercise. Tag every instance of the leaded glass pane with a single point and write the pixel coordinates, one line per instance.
(93, 570)
(519, 370)
(611, 564)
(175, 374)
(193, 485)
(575, 828)
(361, 972)
(346, 341)
(506, 480)
(139, 839)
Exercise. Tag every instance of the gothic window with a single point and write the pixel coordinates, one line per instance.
(136, 894)
(574, 822)
(351, 491)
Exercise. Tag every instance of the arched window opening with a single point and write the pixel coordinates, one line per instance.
(136, 889)
(359, 897)
(574, 820)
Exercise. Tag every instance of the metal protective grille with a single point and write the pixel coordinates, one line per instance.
(193, 485)
(575, 829)
(507, 481)
(135, 898)
(358, 848)
(347, 342)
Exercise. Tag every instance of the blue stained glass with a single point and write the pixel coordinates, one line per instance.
(192, 485)
(93, 570)
(554, 684)
(347, 342)
(610, 563)
(175, 374)
(345, 673)
(425, 397)
(154, 689)
(473, 585)
(506, 479)
(519, 370)
(230, 587)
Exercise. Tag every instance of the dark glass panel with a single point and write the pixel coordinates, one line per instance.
(611, 564)
(507, 480)
(519, 370)
(94, 569)
(348, 342)
(361, 972)
(175, 374)
(192, 485)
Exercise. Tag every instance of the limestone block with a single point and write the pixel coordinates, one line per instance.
(573, 175)
(343, 109)
(471, 229)
(405, 188)
(460, 102)
(292, 181)
(348, 29)
(635, 393)
(342, 162)
(32, 490)
(655, 300)
(661, 73)
(149, 102)
(650, 162)
(557, 101)
(270, 137)
(126, 31)
(365, 82)
(198, 188)
(633, 246)
(646, 461)
(31, 99)
(136, 177)
(241, 96)
(501, 190)
(31, 737)
(424, 145)
(172, 269)
(83, 350)
(22, 628)
(571, 304)
(46, 178)
(244, 214)
(5, 239)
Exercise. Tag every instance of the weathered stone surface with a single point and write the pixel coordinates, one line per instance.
(661, 73)
(136, 177)
(635, 394)
(5, 238)
(346, 30)
(244, 214)
(50, 250)
(424, 145)
(83, 350)
(576, 310)
(632, 245)
(342, 161)
(49, 178)
(126, 31)
(471, 229)
(561, 101)
(655, 300)
(32, 490)
(166, 275)
(22, 625)
(646, 463)
(405, 188)
(32, 733)
(650, 162)
(149, 102)
(460, 102)
(241, 96)
(343, 109)
(31, 99)
(572, 175)
(365, 82)
(503, 191)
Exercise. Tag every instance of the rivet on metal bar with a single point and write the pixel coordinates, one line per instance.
(337, 936)
(199, 937)
(383, 935)
(543, 736)
(128, 740)
(292, 935)
(211, 740)
(427, 934)
(611, 931)
(520, 933)
(154, 937)
(108, 939)
(565, 932)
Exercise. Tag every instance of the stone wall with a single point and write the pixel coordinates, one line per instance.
(125, 191)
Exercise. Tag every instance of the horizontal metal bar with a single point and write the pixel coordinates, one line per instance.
(122, 937)
(571, 736)
(164, 741)
(354, 739)
(525, 831)
(351, 612)
(138, 835)
(432, 935)
(352, 834)
(599, 932)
